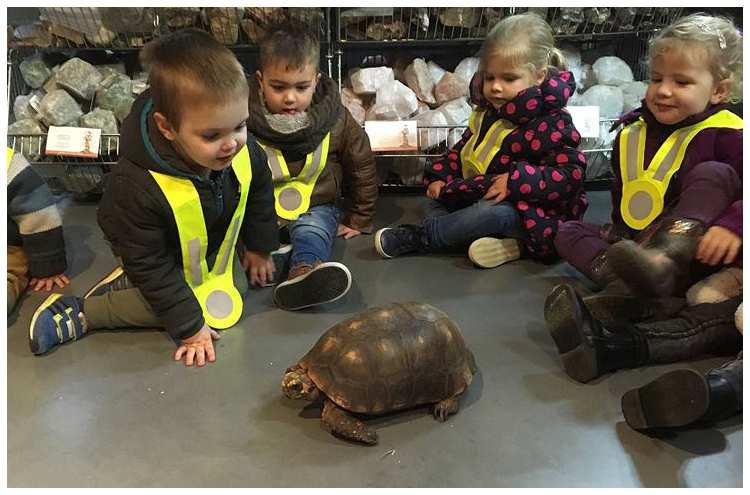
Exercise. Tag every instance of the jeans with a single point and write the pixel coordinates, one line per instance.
(312, 234)
(482, 219)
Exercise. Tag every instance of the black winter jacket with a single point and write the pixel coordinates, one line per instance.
(138, 221)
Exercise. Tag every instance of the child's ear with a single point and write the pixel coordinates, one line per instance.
(259, 77)
(721, 92)
(164, 126)
(317, 78)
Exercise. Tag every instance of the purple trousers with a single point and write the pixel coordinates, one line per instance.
(705, 191)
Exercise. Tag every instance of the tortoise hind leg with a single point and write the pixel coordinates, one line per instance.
(445, 407)
(344, 425)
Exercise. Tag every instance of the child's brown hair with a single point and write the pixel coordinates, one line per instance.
(290, 42)
(189, 62)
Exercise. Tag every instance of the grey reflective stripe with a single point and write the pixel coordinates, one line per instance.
(219, 304)
(194, 251)
(230, 244)
(317, 155)
(273, 162)
(492, 138)
(640, 205)
(668, 161)
(290, 199)
(632, 147)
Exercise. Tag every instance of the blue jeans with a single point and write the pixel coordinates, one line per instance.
(460, 228)
(312, 234)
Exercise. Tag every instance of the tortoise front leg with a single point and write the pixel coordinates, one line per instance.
(446, 407)
(344, 425)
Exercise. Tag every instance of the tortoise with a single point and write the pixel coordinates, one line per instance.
(384, 359)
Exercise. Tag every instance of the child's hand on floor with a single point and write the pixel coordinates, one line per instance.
(259, 266)
(347, 232)
(498, 191)
(435, 188)
(717, 244)
(198, 348)
(46, 283)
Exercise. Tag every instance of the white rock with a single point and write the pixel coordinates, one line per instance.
(369, 80)
(573, 57)
(436, 71)
(466, 68)
(354, 104)
(450, 87)
(607, 98)
(394, 101)
(429, 136)
(588, 78)
(419, 79)
(456, 111)
(632, 94)
(612, 71)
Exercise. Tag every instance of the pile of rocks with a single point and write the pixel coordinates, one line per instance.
(73, 94)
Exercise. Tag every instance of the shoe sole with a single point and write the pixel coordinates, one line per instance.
(327, 283)
(109, 278)
(564, 321)
(379, 245)
(47, 303)
(637, 272)
(489, 252)
(675, 399)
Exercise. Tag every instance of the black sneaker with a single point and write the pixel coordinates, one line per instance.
(115, 280)
(395, 241)
(311, 286)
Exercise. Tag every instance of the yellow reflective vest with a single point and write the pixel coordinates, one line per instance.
(214, 289)
(643, 189)
(476, 156)
(293, 194)
(8, 158)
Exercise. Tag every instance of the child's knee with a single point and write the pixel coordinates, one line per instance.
(723, 174)
(567, 234)
(718, 287)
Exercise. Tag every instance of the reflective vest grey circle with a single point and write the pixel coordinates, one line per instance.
(640, 205)
(219, 304)
(290, 199)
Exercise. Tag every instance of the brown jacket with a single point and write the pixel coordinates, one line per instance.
(350, 159)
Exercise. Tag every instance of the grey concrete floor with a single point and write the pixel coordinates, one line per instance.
(113, 409)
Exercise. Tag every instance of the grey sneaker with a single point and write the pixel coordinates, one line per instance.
(489, 252)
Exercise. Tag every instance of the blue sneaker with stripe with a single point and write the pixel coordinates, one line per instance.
(57, 320)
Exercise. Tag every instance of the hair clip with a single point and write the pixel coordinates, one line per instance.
(715, 31)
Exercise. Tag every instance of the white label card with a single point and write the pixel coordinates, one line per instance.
(392, 136)
(586, 120)
(73, 141)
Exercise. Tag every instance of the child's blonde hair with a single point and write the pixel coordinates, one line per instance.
(717, 35)
(525, 39)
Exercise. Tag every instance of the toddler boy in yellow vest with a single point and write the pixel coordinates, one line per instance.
(187, 209)
(314, 147)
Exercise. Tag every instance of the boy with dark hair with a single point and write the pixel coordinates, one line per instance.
(313, 145)
(189, 205)
(36, 247)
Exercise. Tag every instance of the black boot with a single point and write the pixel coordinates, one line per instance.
(683, 397)
(587, 348)
(660, 265)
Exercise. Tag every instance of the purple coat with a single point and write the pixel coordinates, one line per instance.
(713, 144)
(545, 170)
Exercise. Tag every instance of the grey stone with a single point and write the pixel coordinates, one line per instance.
(381, 31)
(123, 108)
(450, 87)
(462, 17)
(612, 71)
(608, 98)
(367, 81)
(59, 108)
(30, 146)
(419, 79)
(180, 17)
(466, 69)
(21, 108)
(109, 69)
(26, 126)
(51, 84)
(35, 34)
(100, 119)
(102, 36)
(79, 77)
(632, 94)
(34, 71)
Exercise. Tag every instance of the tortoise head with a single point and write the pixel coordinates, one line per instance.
(297, 385)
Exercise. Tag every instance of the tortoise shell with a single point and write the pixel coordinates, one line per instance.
(389, 358)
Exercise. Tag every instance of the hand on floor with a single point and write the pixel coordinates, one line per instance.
(259, 267)
(347, 232)
(46, 283)
(199, 348)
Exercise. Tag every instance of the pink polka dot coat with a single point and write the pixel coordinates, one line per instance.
(546, 171)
